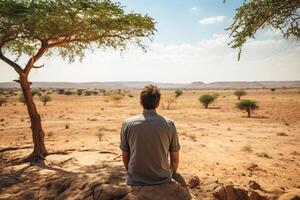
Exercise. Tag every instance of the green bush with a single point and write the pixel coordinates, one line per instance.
(247, 105)
(178, 93)
(45, 99)
(60, 91)
(273, 89)
(36, 92)
(79, 92)
(240, 93)
(68, 92)
(206, 99)
(2, 101)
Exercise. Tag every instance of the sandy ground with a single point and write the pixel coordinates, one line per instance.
(219, 145)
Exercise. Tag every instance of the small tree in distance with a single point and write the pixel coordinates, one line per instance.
(45, 99)
(116, 97)
(206, 99)
(247, 105)
(178, 93)
(240, 93)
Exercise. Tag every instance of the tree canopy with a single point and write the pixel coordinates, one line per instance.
(256, 14)
(34, 27)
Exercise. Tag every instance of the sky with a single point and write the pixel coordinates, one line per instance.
(191, 44)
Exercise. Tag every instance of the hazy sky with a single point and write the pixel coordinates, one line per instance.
(190, 45)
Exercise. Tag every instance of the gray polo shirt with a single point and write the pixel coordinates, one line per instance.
(149, 138)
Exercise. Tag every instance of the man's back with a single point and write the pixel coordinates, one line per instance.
(149, 138)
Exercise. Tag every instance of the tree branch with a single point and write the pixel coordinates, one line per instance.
(16, 67)
(37, 56)
(37, 67)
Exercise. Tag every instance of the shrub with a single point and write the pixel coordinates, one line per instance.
(22, 99)
(282, 134)
(116, 97)
(2, 101)
(247, 105)
(60, 91)
(273, 89)
(87, 93)
(68, 92)
(79, 92)
(247, 148)
(36, 92)
(206, 99)
(263, 155)
(178, 93)
(45, 99)
(240, 93)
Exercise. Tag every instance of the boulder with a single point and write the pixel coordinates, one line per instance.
(254, 185)
(292, 194)
(230, 192)
(193, 182)
(257, 195)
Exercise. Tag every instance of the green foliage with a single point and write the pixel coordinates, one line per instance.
(258, 14)
(36, 92)
(2, 101)
(68, 92)
(60, 91)
(240, 93)
(178, 93)
(206, 99)
(247, 105)
(263, 155)
(45, 99)
(79, 92)
(116, 97)
(71, 26)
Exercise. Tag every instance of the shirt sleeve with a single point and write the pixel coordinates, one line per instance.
(123, 137)
(174, 145)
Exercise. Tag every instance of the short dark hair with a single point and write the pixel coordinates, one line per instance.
(150, 97)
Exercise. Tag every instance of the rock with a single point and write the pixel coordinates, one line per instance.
(257, 195)
(193, 182)
(292, 194)
(254, 185)
(230, 192)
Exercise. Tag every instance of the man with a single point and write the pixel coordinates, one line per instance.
(147, 140)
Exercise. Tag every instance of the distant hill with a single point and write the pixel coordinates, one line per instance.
(140, 84)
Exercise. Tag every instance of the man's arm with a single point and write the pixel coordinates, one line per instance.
(125, 157)
(174, 161)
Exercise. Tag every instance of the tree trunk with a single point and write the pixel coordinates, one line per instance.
(39, 151)
(206, 105)
(249, 112)
(239, 98)
(45, 103)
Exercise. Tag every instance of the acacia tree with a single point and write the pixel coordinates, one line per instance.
(257, 14)
(35, 28)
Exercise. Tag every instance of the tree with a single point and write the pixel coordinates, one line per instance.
(247, 105)
(116, 97)
(65, 28)
(45, 99)
(258, 14)
(79, 92)
(2, 101)
(178, 93)
(206, 99)
(240, 93)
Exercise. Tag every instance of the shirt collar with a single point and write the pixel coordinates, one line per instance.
(146, 111)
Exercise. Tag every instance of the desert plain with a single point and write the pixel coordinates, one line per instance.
(219, 145)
